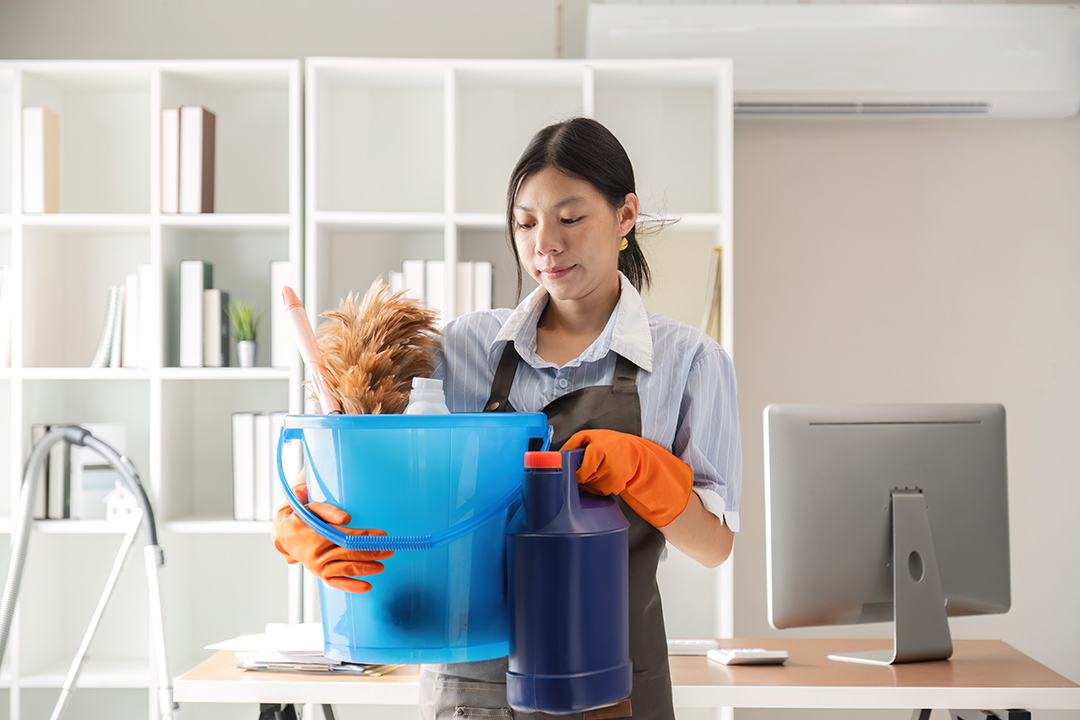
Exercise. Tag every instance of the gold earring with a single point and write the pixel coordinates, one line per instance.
(625, 243)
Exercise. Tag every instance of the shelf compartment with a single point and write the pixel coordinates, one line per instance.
(65, 575)
(197, 442)
(489, 244)
(79, 402)
(666, 118)
(349, 260)
(498, 110)
(679, 257)
(104, 112)
(7, 139)
(209, 614)
(252, 127)
(241, 266)
(65, 314)
(379, 138)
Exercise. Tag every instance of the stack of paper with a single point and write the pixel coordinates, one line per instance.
(292, 648)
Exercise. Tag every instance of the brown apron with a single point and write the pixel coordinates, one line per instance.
(477, 689)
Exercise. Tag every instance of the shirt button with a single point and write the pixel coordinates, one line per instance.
(563, 382)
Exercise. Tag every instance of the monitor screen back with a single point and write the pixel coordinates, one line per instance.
(829, 473)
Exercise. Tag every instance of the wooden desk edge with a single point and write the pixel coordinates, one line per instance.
(808, 679)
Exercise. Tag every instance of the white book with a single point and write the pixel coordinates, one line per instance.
(104, 349)
(290, 461)
(282, 346)
(116, 344)
(41, 500)
(262, 467)
(59, 480)
(195, 277)
(396, 282)
(243, 462)
(435, 287)
(129, 351)
(41, 160)
(147, 315)
(482, 298)
(215, 328)
(170, 160)
(463, 294)
(86, 471)
(196, 160)
(412, 278)
(7, 291)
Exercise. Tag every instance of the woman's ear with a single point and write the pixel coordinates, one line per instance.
(628, 213)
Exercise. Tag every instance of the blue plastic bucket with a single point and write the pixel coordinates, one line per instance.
(441, 487)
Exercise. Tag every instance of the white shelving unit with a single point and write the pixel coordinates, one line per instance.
(409, 159)
(221, 577)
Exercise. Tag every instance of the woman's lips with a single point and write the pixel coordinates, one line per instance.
(556, 273)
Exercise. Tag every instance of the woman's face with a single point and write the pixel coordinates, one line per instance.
(568, 236)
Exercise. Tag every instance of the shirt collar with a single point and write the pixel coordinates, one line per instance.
(627, 331)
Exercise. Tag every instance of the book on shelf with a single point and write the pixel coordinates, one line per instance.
(262, 467)
(243, 465)
(282, 345)
(195, 277)
(215, 328)
(170, 160)
(116, 343)
(146, 317)
(710, 317)
(463, 293)
(103, 354)
(41, 500)
(41, 160)
(291, 461)
(412, 278)
(7, 293)
(197, 131)
(129, 344)
(482, 282)
(435, 287)
(257, 492)
(92, 477)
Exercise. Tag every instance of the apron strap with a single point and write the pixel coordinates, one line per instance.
(499, 399)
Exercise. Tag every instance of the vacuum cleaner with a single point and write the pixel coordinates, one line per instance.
(153, 556)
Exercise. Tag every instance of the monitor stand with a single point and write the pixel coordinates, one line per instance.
(921, 628)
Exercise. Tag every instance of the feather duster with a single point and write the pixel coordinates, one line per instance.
(373, 350)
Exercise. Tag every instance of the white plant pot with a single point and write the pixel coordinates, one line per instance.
(245, 352)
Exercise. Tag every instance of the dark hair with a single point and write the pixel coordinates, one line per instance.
(583, 148)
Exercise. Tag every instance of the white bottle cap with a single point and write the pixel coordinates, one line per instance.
(420, 383)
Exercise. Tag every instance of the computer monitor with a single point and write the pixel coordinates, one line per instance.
(886, 512)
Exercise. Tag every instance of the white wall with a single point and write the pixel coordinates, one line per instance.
(919, 261)
(169, 29)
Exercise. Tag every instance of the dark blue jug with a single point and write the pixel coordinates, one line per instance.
(568, 566)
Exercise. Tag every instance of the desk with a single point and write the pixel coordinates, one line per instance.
(981, 674)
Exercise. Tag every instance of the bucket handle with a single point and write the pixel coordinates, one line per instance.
(382, 542)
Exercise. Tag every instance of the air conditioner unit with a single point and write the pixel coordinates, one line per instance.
(916, 60)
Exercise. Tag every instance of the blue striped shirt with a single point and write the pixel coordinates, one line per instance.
(685, 380)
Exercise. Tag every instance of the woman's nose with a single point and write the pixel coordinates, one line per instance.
(547, 239)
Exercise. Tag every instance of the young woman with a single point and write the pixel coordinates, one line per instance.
(652, 400)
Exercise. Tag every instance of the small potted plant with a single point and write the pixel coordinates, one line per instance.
(246, 331)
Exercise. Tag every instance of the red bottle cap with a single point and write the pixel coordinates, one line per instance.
(543, 459)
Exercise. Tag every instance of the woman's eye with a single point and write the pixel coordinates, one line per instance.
(570, 221)
(524, 225)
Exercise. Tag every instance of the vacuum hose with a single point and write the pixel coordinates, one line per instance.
(74, 435)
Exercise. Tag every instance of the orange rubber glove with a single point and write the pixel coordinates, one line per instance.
(653, 482)
(333, 563)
